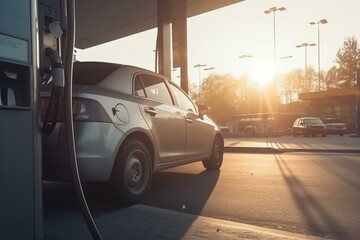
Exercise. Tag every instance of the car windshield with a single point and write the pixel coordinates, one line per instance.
(313, 121)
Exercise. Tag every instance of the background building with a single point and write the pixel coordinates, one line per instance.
(336, 103)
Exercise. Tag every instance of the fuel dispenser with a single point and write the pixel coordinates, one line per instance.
(20, 138)
(32, 35)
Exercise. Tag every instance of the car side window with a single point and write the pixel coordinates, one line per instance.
(139, 89)
(156, 89)
(182, 100)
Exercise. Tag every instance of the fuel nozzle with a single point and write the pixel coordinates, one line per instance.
(57, 68)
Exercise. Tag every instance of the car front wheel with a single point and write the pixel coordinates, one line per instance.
(132, 172)
(216, 159)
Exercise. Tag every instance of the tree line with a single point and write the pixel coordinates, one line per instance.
(227, 95)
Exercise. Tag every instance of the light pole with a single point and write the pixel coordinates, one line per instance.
(305, 45)
(209, 69)
(245, 56)
(285, 89)
(284, 58)
(322, 21)
(268, 11)
(173, 75)
(199, 66)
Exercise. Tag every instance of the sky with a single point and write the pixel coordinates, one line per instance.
(218, 38)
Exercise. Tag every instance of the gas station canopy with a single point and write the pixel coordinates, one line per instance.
(99, 22)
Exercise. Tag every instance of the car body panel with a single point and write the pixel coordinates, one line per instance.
(96, 147)
(199, 136)
(168, 127)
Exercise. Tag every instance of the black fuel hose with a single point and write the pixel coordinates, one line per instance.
(69, 121)
(57, 72)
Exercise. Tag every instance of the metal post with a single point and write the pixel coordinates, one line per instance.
(318, 27)
(358, 102)
(273, 10)
(305, 45)
(164, 36)
(199, 66)
(179, 41)
(322, 21)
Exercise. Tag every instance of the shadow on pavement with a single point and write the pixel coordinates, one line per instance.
(314, 214)
(182, 192)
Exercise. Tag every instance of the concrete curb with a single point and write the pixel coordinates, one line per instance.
(263, 150)
(268, 150)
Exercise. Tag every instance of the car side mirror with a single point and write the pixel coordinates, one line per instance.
(203, 110)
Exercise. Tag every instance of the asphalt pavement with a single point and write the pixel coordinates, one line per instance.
(145, 222)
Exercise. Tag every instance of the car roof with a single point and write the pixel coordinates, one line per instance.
(106, 75)
(90, 73)
(309, 118)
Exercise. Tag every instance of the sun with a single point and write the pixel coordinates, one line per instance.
(261, 74)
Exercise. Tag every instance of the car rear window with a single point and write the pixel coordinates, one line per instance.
(91, 73)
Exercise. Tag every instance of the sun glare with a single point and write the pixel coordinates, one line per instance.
(261, 74)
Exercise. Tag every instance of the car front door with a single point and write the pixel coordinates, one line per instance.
(199, 134)
(164, 119)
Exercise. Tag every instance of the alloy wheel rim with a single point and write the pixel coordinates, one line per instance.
(136, 172)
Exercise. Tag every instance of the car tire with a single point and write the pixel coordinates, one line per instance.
(132, 173)
(216, 159)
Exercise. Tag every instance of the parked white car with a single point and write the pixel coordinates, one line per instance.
(335, 126)
(129, 122)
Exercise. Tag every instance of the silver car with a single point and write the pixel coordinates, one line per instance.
(129, 123)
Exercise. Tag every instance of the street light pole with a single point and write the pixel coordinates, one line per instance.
(284, 58)
(322, 21)
(209, 68)
(245, 56)
(199, 66)
(173, 75)
(305, 45)
(268, 11)
(286, 71)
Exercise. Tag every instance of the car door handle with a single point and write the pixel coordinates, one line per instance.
(189, 120)
(150, 110)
